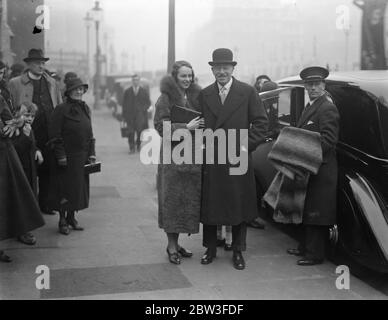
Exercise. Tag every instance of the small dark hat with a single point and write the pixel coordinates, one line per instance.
(35, 55)
(268, 86)
(69, 75)
(222, 56)
(75, 83)
(314, 74)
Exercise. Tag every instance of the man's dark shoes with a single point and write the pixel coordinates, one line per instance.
(208, 256)
(309, 262)
(72, 222)
(238, 260)
(256, 224)
(173, 257)
(4, 257)
(227, 247)
(220, 242)
(185, 253)
(295, 252)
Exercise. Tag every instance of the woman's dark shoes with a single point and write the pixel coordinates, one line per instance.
(4, 257)
(63, 228)
(257, 224)
(185, 253)
(27, 239)
(227, 247)
(48, 212)
(238, 260)
(208, 256)
(74, 224)
(173, 257)
(295, 252)
(309, 262)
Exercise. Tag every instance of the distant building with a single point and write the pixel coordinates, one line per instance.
(64, 61)
(275, 37)
(21, 19)
(6, 54)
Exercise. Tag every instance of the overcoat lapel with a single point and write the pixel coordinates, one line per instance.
(307, 114)
(232, 102)
(213, 100)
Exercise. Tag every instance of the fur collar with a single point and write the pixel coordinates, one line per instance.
(169, 87)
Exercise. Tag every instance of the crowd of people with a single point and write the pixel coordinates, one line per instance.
(46, 139)
(190, 194)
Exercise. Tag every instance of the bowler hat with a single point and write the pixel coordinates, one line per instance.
(35, 55)
(75, 83)
(222, 56)
(314, 74)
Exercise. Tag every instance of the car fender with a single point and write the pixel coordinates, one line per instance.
(372, 208)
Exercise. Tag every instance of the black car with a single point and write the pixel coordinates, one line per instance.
(362, 101)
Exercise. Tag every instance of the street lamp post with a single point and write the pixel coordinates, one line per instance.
(171, 35)
(97, 17)
(88, 23)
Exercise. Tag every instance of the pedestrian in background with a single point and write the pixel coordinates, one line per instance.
(179, 185)
(260, 80)
(36, 86)
(71, 137)
(136, 103)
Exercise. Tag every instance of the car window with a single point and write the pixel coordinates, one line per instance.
(359, 123)
(284, 113)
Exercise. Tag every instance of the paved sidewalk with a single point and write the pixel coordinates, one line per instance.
(122, 252)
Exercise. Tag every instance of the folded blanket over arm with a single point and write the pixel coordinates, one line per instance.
(296, 154)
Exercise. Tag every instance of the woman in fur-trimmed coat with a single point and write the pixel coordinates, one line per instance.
(179, 185)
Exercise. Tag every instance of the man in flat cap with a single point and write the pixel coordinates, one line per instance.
(229, 105)
(320, 115)
(37, 86)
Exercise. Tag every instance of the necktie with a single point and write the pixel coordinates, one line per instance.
(136, 90)
(223, 94)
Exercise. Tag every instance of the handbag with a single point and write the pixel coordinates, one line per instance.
(92, 167)
(124, 129)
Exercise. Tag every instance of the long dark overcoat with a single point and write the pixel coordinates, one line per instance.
(321, 197)
(179, 185)
(72, 138)
(231, 199)
(135, 109)
(19, 209)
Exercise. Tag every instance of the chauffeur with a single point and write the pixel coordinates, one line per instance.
(229, 104)
(320, 115)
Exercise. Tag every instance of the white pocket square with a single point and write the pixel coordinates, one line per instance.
(310, 122)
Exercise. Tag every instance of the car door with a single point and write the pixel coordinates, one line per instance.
(283, 106)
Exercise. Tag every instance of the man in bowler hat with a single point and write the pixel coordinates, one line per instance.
(229, 104)
(319, 115)
(37, 86)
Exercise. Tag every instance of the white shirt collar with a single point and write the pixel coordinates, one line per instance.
(33, 77)
(226, 86)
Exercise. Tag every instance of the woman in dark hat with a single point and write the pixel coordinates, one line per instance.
(19, 209)
(179, 185)
(71, 137)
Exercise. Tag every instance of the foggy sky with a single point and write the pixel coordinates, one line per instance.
(139, 27)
